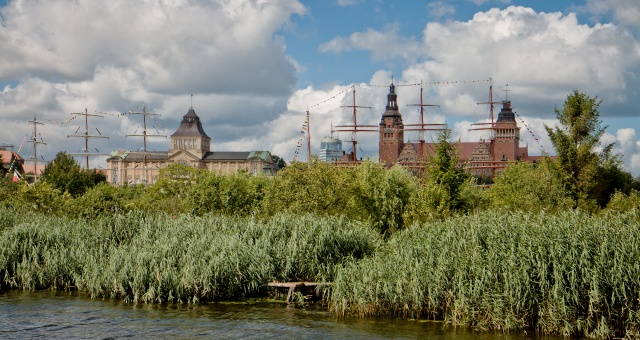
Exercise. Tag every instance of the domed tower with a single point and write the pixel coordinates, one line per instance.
(190, 136)
(391, 130)
(506, 135)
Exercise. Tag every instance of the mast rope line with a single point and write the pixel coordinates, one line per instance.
(351, 86)
(531, 132)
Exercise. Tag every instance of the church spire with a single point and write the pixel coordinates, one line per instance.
(392, 98)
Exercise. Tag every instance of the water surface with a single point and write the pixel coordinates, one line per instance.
(73, 315)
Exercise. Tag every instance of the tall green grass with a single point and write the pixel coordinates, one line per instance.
(158, 258)
(564, 274)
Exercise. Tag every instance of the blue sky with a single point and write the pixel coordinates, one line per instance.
(254, 67)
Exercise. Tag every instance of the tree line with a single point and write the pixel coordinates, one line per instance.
(584, 175)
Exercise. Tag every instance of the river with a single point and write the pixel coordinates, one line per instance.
(73, 315)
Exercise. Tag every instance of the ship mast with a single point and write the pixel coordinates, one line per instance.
(355, 128)
(34, 140)
(87, 136)
(422, 127)
(144, 135)
(492, 125)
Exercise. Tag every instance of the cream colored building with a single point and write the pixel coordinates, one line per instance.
(191, 146)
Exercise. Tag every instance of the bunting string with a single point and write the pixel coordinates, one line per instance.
(60, 123)
(24, 139)
(530, 132)
(352, 86)
(302, 133)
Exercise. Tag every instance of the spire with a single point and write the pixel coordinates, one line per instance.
(392, 98)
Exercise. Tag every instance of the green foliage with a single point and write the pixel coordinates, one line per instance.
(432, 201)
(445, 172)
(3, 170)
(621, 202)
(381, 195)
(588, 175)
(8, 189)
(279, 162)
(234, 194)
(142, 257)
(529, 188)
(568, 274)
(317, 187)
(65, 174)
(102, 199)
(40, 197)
(168, 193)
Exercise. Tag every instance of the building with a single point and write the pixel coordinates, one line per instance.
(190, 145)
(330, 149)
(484, 158)
(11, 160)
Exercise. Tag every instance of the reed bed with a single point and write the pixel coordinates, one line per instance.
(142, 257)
(564, 274)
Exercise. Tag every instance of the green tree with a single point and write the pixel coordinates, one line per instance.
(3, 170)
(65, 174)
(381, 195)
(590, 176)
(8, 189)
(445, 172)
(279, 162)
(227, 194)
(168, 193)
(316, 187)
(530, 188)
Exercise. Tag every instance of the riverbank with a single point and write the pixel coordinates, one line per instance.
(569, 274)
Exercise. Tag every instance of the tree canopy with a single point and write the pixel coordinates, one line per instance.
(65, 174)
(590, 172)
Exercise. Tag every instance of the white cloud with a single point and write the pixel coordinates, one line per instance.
(628, 145)
(438, 9)
(345, 3)
(624, 11)
(172, 47)
(67, 55)
(383, 45)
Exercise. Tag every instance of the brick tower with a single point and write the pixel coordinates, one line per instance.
(391, 130)
(506, 135)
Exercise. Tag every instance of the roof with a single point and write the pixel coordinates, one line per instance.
(8, 155)
(139, 156)
(264, 155)
(236, 155)
(226, 156)
(190, 126)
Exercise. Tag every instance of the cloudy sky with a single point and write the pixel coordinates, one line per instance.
(255, 67)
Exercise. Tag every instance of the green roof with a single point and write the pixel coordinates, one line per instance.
(260, 154)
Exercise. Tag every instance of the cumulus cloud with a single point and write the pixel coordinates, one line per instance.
(542, 56)
(624, 11)
(383, 45)
(63, 56)
(348, 2)
(173, 47)
(438, 9)
(628, 145)
(546, 56)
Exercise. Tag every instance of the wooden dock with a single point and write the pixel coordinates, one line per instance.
(301, 286)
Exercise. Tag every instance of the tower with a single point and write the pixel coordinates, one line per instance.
(190, 136)
(506, 135)
(391, 130)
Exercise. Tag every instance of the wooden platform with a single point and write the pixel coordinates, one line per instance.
(292, 286)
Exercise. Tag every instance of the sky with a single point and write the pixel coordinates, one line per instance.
(252, 68)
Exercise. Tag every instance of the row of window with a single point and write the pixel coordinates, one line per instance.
(189, 144)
